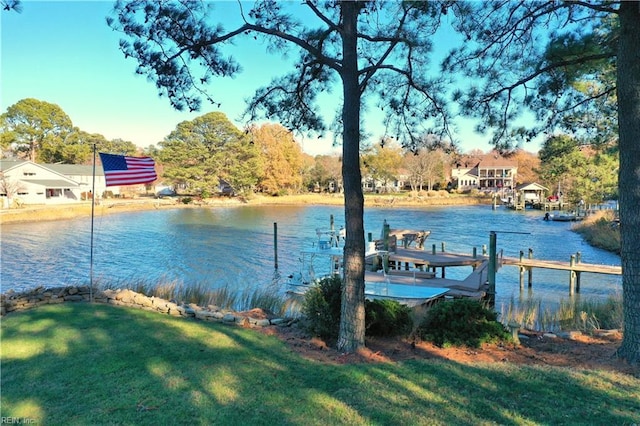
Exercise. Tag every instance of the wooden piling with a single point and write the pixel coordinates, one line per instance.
(275, 244)
(572, 275)
(521, 269)
(530, 268)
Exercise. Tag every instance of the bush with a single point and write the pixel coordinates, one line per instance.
(321, 306)
(387, 318)
(186, 200)
(462, 322)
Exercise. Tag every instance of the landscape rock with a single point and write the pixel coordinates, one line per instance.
(12, 301)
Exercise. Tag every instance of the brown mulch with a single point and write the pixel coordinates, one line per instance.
(580, 351)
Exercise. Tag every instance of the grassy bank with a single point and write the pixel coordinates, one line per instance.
(601, 230)
(110, 206)
(81, 364)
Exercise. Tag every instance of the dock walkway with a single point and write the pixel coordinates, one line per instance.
(574, 267)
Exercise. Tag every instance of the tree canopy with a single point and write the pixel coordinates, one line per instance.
(200, 152)
(281, 158)
(35, 128)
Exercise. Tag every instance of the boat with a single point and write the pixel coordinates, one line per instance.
(563, 217)
(411, 287)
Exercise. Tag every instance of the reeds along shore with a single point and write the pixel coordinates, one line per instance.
(109, 206)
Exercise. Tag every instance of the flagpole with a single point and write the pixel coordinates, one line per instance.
(93, 203)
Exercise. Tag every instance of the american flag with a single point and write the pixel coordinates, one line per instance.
(122, 170)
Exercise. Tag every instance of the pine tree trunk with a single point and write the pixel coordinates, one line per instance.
(351, 335)
(628, 85)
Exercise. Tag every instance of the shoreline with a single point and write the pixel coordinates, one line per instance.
(113, 206)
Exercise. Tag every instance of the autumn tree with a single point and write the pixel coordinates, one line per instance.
(363, 48)
(528, 165)
(35, 128)
(381, 163)
(200, 152)
(529, 55)
(281, 157)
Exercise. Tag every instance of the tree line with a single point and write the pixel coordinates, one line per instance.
(267, 159)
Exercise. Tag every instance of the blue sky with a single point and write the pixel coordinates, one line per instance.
(64, 53)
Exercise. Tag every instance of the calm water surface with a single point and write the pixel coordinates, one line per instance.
(234, 246)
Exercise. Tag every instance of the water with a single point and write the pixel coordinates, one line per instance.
(233, 246)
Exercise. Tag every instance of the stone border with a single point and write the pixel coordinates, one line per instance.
(12, 301)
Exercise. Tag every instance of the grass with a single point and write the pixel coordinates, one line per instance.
(599, 230)
(586, 315)
(78, 364)
(268, 298)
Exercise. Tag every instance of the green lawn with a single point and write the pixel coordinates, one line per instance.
(81, 364)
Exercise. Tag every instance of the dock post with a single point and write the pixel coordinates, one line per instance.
(572, 274)
(385, 235)
(484, 249)
(369, 237)
(433, 249)
(530, 267)
(443, 247)
(578, 257)
(275, 244)
(491, 277)
(475, 252)
(521, 268)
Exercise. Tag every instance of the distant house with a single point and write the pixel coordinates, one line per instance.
(27, 183)
(84, 176)
(487, 172)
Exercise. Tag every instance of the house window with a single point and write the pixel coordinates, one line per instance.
(22, 193)
(27, 173)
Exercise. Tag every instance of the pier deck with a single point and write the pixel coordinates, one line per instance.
(564, 266)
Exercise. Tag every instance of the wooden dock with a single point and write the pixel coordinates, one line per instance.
(406, 259)
(574, 266)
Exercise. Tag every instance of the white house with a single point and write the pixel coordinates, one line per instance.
(84, 176)
(26, 183)
(485, 172)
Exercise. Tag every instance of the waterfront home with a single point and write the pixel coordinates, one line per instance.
(486, 172)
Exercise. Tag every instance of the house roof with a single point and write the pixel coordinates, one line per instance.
(74, 169)
(9, 164)
(52, 183)
(484, 161)
(532, 186)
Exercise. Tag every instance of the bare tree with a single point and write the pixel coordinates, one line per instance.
(9, 188)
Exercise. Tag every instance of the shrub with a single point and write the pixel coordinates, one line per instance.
(387, 318)
(186, 200)
(462, 322)
(321, 306)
